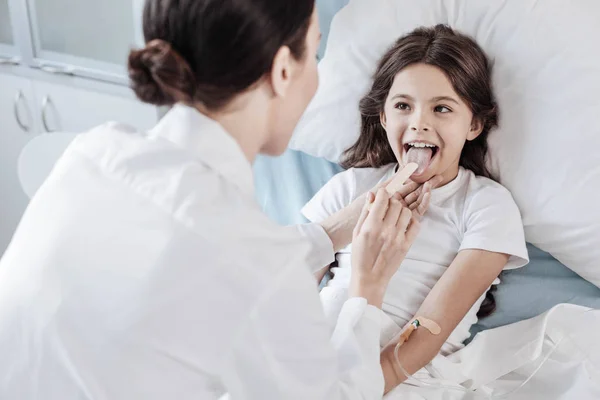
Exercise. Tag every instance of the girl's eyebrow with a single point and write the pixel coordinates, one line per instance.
(433, 100)
(444, 98)
(402, 96)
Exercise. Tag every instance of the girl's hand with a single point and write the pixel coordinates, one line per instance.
(419, 198)
(416, 196)
(383, 235)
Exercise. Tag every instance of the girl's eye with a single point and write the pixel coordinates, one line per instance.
(442, 109)
(402, 106)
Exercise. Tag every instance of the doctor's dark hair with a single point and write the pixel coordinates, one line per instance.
(208, 51)
(468, 69)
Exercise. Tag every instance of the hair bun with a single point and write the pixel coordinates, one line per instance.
(159, 75)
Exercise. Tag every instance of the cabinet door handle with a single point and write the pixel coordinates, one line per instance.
(57, 70)
(10, 61)
(46, 103)
(18, 99)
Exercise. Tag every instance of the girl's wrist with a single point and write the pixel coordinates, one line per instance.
(340, 226)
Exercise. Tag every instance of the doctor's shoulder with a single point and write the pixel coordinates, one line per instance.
(153, 167)
(104, 140)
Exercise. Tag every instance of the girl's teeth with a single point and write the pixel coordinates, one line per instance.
(421, 145)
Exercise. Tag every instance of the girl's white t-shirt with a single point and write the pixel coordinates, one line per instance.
(471, 212)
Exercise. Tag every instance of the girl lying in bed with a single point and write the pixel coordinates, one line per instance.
(431, 103)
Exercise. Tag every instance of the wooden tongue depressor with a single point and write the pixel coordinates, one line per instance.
(401, 178)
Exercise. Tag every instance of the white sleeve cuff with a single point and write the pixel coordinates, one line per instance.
(321, 254)
(357, 334)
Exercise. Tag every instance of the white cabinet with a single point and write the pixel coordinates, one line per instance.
(17, 127)
(68, 109)
(30, 107)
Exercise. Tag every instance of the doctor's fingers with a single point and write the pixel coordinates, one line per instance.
(392, 215)
(393, 237)
(413, 231)
(364, 213)
(396, 244)
(378, 209)
(404, 220)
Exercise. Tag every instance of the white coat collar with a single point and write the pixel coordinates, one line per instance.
(206, 138)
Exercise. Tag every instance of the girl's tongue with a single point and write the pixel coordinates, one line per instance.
(421, 156)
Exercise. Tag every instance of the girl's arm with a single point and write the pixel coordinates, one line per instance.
(471, 273)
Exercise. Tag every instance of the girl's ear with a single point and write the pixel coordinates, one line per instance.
(383, 119)
(476, 129)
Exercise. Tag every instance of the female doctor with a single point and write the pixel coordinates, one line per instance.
(144, 269)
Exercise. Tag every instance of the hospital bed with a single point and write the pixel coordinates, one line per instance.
(284, 184)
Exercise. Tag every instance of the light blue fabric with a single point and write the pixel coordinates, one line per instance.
(534, 289)
(284, 184)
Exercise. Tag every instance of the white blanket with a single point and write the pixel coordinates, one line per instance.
(500, 360)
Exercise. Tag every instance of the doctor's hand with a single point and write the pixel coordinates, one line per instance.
(385, 231)
(340, 225)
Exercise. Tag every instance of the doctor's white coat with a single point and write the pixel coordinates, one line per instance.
(144, 269)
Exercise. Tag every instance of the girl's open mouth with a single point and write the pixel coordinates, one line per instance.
(421, 153)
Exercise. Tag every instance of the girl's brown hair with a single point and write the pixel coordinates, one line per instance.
(468, 69)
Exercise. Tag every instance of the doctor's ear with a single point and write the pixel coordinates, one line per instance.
(281, 73)
(383, 119)
(476, 129)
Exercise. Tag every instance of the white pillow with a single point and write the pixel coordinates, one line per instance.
(547, 81)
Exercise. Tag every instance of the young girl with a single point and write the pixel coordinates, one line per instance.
(431, 103)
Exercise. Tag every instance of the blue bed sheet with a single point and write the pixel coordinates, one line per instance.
(529, 291)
